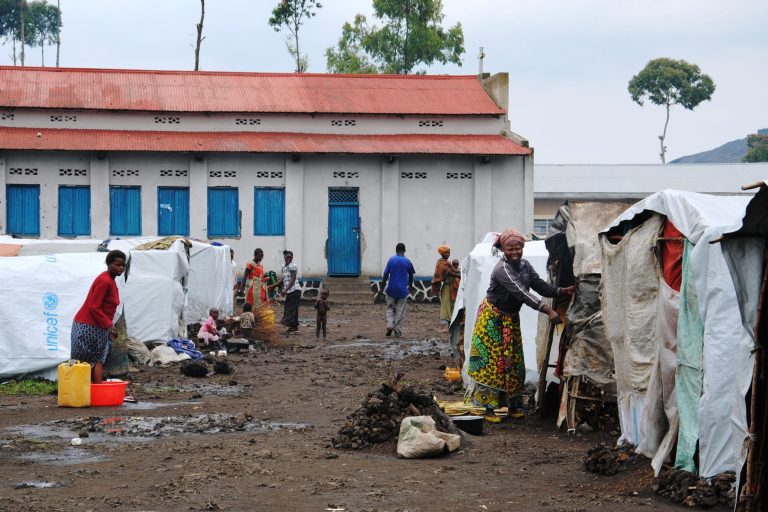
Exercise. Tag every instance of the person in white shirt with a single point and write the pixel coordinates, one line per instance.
(292, 293)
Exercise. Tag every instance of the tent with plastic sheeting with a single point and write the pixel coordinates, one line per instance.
(210, 281)
(584, 355)
(476, 270)
(44, 292)
(682, 358)
(746, 253)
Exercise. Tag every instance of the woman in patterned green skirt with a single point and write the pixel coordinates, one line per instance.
(496, 364)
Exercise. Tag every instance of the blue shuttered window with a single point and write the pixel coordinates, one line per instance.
(125, 211)
(268, 211)
(223, 212)
(23, 209)
(74, 210)
(172, 211)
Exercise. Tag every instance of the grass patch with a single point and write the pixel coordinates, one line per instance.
(27, 387)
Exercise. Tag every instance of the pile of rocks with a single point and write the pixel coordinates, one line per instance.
(609, 460)
(685, 487)
(379, 416)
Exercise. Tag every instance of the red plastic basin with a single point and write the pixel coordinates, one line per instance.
(108, 393)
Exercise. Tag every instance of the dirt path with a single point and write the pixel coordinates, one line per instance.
(267, 445)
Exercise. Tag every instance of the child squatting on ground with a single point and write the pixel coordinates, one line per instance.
(322, 306)
(209, 333)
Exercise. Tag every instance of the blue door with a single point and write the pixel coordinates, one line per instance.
(343, 232)
(23, 209)
(74, 210)
(172, 211)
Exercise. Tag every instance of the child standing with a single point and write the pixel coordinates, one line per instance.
(247, 321)
(322, 306)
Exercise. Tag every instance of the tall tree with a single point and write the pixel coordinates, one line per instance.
(411, 34)
(15, 26)
(670, 82)
(290, 15)
(758, 147)
(45, 19)
(58, 34)
(200, 37)
(349, 56)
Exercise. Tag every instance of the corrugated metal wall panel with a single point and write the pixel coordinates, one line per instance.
(223, 212)
(74, 210)
(173, 211)
(125, 211)
(269, 211)
(23, 209)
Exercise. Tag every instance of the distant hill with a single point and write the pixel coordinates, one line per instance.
(730, 152)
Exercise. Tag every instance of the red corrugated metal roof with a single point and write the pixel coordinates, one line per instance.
(250, 142)
(189, 91)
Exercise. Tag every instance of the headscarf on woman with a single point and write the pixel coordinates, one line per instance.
(443, 249)
(508, 236)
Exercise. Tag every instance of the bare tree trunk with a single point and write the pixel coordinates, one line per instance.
(663, 136)
(14, 51)
(58, 34)
(199, 35)
(21, 18)
(42, 53)
(298, 51)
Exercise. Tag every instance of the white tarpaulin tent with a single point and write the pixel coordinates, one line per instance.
(636, 310)
(39, 296)
(476, 271)
(209, 284)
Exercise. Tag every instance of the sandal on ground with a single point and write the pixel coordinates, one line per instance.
(516, 414)
(491, 418)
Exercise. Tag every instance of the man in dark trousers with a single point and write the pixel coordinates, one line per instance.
(396, 282)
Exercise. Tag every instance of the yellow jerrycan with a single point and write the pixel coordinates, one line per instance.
(74, 384)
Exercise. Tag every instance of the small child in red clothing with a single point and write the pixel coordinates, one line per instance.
(322, 306)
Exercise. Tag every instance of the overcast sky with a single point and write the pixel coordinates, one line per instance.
(569, 61)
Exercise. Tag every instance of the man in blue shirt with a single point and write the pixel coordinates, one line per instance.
(396, 282)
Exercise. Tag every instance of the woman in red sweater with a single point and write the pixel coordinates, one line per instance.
(92, 329)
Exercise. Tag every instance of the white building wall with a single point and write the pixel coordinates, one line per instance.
(423, 201)
(291, 123)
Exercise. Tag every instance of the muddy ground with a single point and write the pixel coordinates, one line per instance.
(267, 432)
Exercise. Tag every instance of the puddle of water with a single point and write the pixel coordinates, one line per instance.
(141, 428)
(66, 457)
(400, 349)
(38, 485)
(146, 406)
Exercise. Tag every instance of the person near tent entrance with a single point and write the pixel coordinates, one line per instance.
(92, 328)
(496, 366)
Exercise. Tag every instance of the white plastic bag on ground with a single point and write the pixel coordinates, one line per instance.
(419, 439)
(165, 355)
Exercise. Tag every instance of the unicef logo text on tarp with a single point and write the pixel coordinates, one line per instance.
(50, 305)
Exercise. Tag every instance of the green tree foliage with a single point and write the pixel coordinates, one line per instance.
(33, 23)
(45, 20)
(290, 15)
(411, 34)
(349, 56)
(758, 148)
(671, 82)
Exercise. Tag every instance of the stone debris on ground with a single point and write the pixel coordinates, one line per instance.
(685, 487)
(379, 416)
(609, 460)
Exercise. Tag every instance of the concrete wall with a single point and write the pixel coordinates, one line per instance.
(294, 123)
(421, 201)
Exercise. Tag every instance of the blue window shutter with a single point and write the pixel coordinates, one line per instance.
(223, 212)
(269, 211)
(74, 210)
(172, 211)
(23, 209)
(125, 211)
